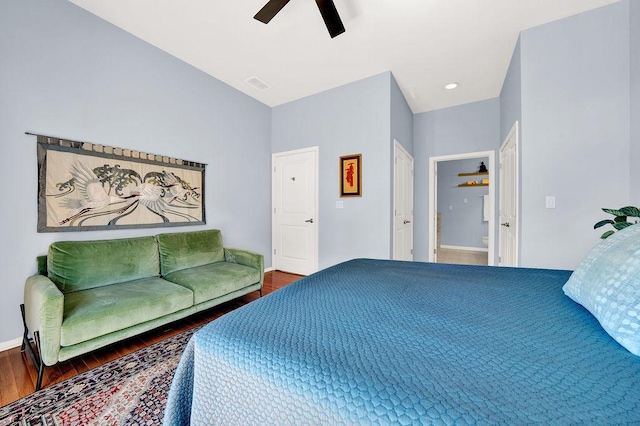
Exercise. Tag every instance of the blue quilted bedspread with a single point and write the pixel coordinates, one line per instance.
(385, 342)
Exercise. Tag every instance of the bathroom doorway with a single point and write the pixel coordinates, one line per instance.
(461, 214)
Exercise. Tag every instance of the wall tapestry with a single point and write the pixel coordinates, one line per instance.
(85, 187)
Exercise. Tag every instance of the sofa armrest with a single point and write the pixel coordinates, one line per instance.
(44, 306)
(246, 258)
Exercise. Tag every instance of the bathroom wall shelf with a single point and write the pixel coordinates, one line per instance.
(467, 184)
(473, 174)
(473, 184)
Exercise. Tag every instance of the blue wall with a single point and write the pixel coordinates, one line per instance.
(69, 74)
(634, 9)
(401, 118)
(456, 130)
(511, 95)
(461, 208)
(575, 132)
(350, 119)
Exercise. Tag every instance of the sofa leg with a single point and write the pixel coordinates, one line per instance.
(260, 291)
(39, 364)
(26, 345)
(25, 336)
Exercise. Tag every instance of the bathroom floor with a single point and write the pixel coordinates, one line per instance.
(462, 257)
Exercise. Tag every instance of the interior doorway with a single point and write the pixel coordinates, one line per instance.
(462, 219)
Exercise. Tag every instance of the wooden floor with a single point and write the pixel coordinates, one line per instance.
(18, 375)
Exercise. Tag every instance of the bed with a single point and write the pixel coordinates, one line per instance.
(387, 342)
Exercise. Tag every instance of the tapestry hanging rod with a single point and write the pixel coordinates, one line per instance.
(105, 149)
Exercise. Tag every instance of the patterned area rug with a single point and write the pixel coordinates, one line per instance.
(131, 390)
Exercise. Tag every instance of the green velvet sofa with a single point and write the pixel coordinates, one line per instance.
(88, 294)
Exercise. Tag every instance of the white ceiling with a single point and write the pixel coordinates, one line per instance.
(424, 43)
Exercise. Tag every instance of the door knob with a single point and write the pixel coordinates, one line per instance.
(406, 221)
(506, 224)
(309, 220)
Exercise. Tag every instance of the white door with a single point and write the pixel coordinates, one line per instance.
(295, 211)
(434, 222)
(402, 204)
(508, 233)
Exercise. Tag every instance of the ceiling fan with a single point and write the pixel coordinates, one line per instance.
(327, 9)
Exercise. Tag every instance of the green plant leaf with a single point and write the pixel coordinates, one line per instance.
(613, 212)
(606, 234)
(603, 223)
(620, 219)
(631, 211)
(621, 225)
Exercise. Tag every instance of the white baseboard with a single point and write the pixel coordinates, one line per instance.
(269, 269)
(10, 344)
(485, 249)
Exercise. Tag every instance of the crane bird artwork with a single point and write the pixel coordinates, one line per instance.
(84, 191)
(117, 193)
(92, 195)
(158, 191)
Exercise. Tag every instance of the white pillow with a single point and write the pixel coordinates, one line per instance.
(607, 283)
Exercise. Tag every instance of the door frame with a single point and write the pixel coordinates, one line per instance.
(515, 133)
(398, 146)
(316, 215)
(433, 181)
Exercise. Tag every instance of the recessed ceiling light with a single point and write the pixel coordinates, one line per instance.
(451, 86)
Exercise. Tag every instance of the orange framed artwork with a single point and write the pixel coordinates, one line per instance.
(351, 175)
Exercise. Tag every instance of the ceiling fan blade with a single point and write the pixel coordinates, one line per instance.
(331, 18)
(270, 10)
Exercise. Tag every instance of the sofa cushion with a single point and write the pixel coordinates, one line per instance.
(215, 279)
(98, 311)
(81, 265)
(182, 250)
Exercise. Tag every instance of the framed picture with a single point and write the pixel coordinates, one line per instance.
(85, 187)
(351, 175)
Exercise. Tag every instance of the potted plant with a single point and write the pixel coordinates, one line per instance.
(620, 221)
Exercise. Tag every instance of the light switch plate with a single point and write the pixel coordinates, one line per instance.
(339, 204)
(550, 202)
